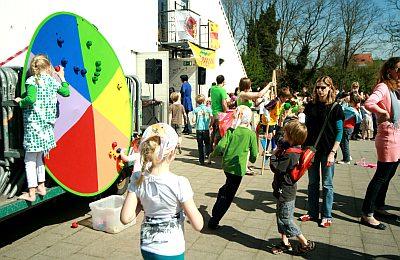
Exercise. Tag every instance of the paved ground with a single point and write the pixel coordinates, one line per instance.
(248, 229)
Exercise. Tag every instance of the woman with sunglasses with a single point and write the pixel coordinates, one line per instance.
(321, 107)
(385, 103)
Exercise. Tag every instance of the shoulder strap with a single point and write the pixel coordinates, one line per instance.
(324, 125)
(294, 150)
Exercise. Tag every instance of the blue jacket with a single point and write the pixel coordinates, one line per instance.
(186, 93)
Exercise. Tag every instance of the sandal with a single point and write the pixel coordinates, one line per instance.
(281, 248)
(305, 249)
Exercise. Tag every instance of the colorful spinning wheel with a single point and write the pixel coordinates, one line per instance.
(98, 111)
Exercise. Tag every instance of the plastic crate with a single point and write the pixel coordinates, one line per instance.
(105, 214)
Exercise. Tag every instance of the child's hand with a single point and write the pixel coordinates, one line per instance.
(60, 73)
(17, 99)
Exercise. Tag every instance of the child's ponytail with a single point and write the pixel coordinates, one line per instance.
(148, 155)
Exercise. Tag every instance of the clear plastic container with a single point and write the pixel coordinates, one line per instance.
(105, 214)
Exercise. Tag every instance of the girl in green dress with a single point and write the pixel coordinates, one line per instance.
(39, 104)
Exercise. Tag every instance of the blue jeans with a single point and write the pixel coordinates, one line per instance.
(327, 187)
(345, 143)
(378, 187)
(203, 140)
(284, 219)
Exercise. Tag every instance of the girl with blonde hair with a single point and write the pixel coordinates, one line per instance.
(165, 197)
(39, 106)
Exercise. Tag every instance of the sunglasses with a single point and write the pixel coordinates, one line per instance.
(321, 87)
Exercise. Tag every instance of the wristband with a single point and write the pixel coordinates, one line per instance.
(334, 152)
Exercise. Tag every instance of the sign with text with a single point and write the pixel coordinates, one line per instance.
(204, 57)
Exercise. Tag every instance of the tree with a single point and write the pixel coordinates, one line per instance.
(251, 58)
(267, 29)
(392, 27)
(358, 18)
(288, 13)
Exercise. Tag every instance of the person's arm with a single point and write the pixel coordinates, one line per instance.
(193, 214)
(211, 120)
(371, 104)
(220, 147)
(29, 99)
(253, 149)
(254, 95)
(338, 138)
(60, 74)
(170, 115)
(130, 208)
(224, 105)
(194, 117)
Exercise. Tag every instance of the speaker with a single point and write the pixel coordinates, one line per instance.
(201, 76)
(153, 71)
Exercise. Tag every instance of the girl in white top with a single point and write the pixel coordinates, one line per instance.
(165, 197)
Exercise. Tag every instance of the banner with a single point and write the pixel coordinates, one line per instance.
(214, 29)
(204, 57)
(187, 26)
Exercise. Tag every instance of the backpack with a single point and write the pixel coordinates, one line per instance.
(305, 161)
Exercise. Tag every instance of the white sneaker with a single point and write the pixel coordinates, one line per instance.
(268, 154)
(208, 161)
(342, 162)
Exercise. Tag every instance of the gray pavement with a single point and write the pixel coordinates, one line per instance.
(248, 229)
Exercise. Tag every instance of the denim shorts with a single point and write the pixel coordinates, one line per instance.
(284, 219)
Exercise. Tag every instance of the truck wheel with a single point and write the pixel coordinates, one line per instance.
(121, 184)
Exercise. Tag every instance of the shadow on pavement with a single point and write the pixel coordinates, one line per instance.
(322, 250)
(61, 209)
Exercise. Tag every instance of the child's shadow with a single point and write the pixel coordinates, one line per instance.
(262, 200)
(231, 234)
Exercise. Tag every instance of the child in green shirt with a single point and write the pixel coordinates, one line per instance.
(236, 145)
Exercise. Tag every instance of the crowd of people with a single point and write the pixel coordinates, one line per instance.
(323, 117)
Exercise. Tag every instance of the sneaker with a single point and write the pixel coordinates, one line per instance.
(305, 249)
(326, 222)
(268, 154)
(208, 161)
(281, 248)
(342, 162)
(306, 218)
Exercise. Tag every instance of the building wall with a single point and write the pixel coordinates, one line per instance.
(120, 22)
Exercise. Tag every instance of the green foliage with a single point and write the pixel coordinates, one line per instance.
(254, 67)
(296, 76)
(267, 30)
(261, 58)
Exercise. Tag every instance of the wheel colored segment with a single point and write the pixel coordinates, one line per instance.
(118, 113)
(105, 164)
(70, 110)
